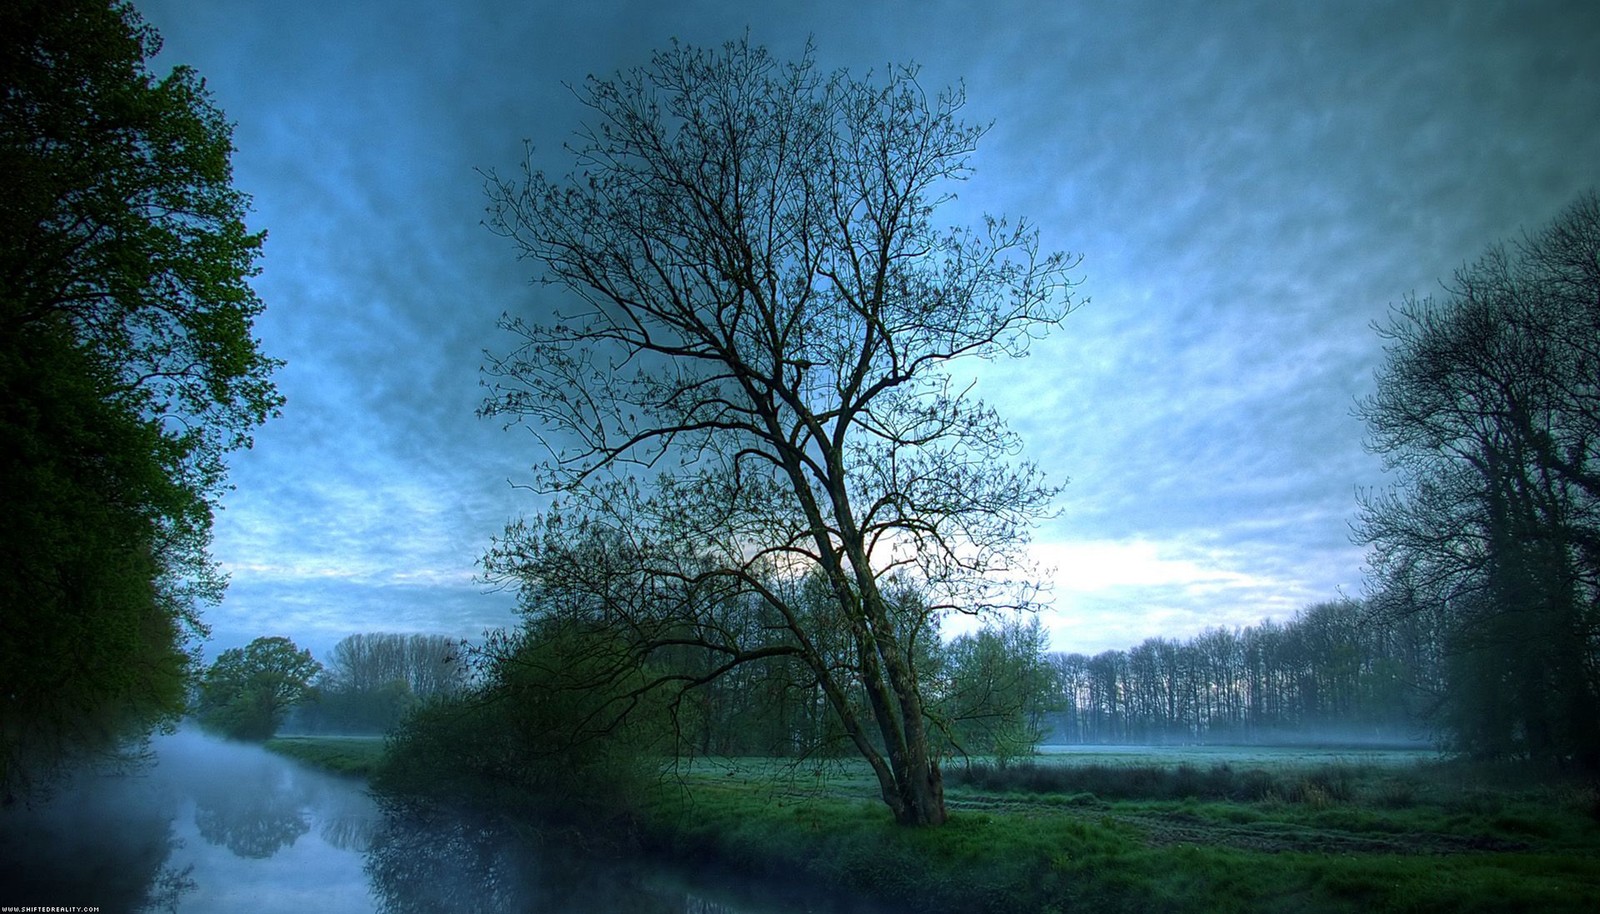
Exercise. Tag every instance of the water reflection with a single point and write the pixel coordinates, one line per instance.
(216, 826)
(69, 851)
(168, 888)
(253, 822)
(208, 826)
(418, 865)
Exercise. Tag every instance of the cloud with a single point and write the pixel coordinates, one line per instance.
(1117, 593)
(1088, 567)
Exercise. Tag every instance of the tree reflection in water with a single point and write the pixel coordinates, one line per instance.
(250, 827)
(104, 839)
(222, 827)
(255, 815)
(347, 831)
(443, 864)
(269, 804)
(168, 889)
(450, 864)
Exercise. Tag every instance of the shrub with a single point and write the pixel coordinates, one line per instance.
(555, 730)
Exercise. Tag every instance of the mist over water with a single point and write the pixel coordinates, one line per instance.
(217, 826)
(208, 826)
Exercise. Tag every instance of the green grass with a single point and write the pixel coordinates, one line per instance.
(1319, 837)
(357, 756)
(1324, 836)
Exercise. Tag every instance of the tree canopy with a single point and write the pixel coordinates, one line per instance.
(127, 373)
(372, 680)
(750, 399)
(248, 691)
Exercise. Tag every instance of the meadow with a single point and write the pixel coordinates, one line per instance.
(357, 756)
(1141, 830)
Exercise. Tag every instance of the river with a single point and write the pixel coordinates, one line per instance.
(211, 826)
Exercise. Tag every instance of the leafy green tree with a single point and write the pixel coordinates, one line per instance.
(763, 300)
(127, 372)
(996, 688)
(247, 692)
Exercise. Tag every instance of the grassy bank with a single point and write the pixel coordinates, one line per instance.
(1324, 837)
(1070, 835)
(357, 756)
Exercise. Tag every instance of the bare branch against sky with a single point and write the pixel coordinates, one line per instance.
(1250, 185)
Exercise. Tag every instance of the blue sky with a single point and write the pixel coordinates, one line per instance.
(1250, 185)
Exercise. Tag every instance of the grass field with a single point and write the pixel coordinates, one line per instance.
(1179, 830)
(1130, 830)
(352, 755)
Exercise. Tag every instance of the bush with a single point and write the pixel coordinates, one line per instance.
(556, 731)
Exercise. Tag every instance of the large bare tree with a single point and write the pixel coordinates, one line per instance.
(751, 396)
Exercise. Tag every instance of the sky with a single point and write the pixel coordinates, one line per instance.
(1251, 186)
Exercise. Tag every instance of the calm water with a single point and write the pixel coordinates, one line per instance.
(215, 826)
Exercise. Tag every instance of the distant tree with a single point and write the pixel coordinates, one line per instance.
(1488, 413)
(247, 692)
(1335, 671)
(426, 664)
(371, 680)
(127, 372)
(766, 305)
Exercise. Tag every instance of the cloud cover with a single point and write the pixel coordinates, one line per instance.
(1250, 186)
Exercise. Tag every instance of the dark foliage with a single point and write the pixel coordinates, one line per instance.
(552, 729)
(248, 692)
(127, 372)
(1488, 414)
(1222, 781)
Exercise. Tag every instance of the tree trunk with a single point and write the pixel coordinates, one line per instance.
(920, 784)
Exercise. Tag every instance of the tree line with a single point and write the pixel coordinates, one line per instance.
(370, 682)
(373, 680)
(1334, 672)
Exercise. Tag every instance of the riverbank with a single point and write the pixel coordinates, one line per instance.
(1339, 837)
(356, 756)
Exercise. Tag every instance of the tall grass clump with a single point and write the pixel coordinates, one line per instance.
(1324, 784)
